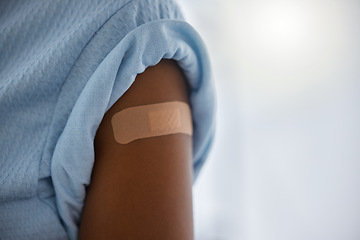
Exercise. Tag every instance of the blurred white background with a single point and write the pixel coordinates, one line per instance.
(285, 164)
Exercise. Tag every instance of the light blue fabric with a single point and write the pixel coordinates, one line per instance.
(63, 64)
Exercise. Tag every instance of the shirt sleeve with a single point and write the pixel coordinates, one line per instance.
(149, 39)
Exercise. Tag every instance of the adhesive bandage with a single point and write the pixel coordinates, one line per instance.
(151, 120)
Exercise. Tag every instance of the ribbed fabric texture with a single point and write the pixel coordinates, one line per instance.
(63, 64)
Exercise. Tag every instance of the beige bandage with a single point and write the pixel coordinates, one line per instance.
(151, 120)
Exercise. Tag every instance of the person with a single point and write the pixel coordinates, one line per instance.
(66, 69)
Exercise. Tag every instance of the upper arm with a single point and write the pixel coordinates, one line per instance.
(143, 189)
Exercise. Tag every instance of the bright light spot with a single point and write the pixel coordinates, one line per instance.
(284, 47)
(281, 26)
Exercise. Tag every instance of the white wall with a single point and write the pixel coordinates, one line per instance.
(286, 161)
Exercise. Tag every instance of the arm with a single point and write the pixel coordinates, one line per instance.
(143, 189)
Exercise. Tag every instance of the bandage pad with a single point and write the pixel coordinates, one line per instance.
(151, 120)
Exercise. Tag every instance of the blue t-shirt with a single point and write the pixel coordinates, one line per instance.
(63, 64)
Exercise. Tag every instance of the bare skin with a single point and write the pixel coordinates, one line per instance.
(143, 189)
